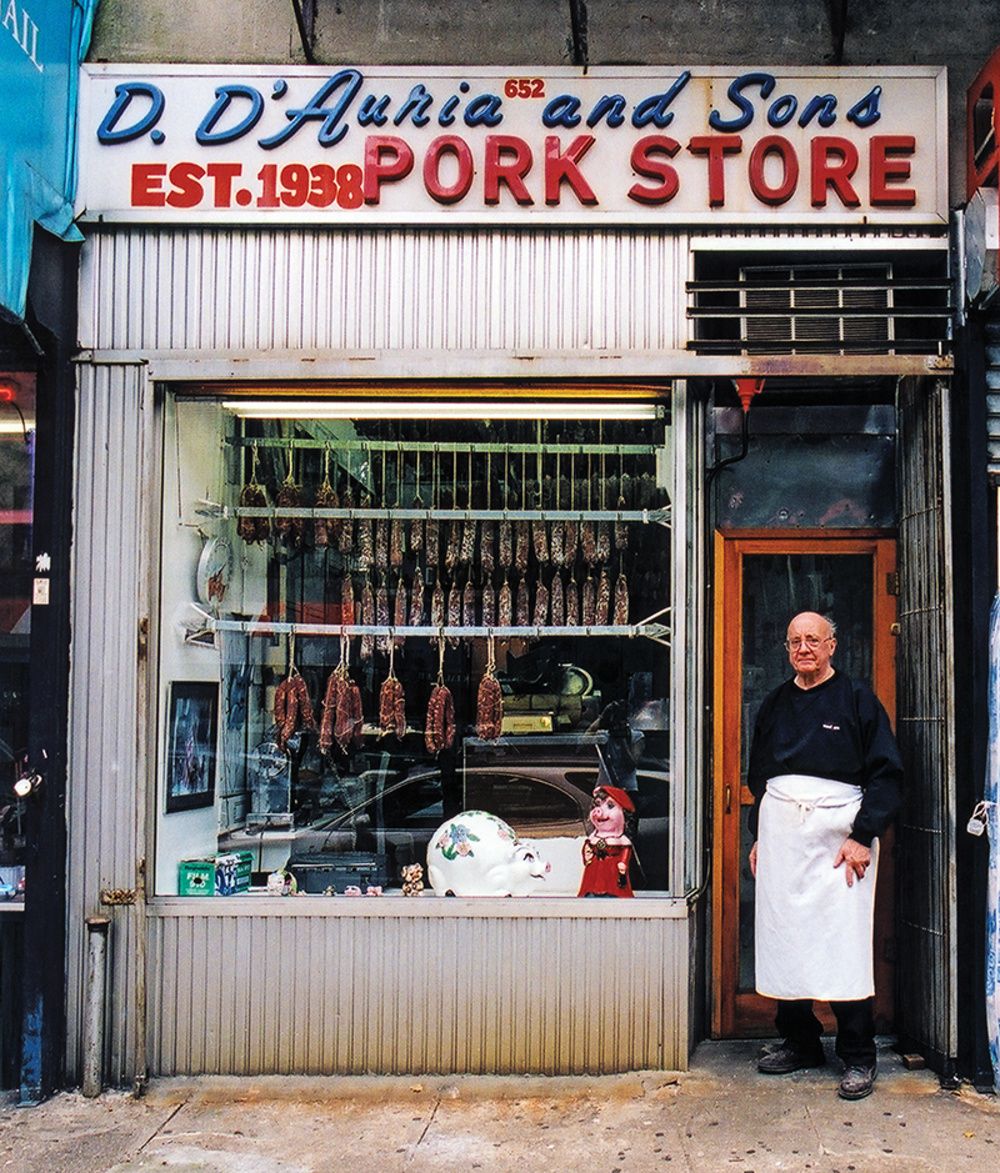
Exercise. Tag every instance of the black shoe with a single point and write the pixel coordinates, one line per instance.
(784, 1059)
(857, 1082)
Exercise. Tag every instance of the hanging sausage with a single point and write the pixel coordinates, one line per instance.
(620, 618)
(603, 604)
(345, 538)
(572, 602)
(366, 537)
(489, 701)
(489, 604)
(416, 616)
(392, 704)
(289, 496)
(400, 610)
(557, 601)
(439, 725)
(382, 612)
(505, 605)
(367, 619)
(326, 530)
(253, 495)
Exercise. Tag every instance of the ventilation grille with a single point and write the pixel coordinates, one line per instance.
(826, 309)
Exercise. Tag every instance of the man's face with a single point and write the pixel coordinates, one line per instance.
(810, 644)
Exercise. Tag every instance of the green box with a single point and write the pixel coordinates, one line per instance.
(196, 877)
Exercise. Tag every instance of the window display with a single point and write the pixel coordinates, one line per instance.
(410, 610)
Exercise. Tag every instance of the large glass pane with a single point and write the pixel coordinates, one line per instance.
(776, 587)
(463, 527)
(17, 450)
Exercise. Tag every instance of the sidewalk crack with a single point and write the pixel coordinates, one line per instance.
(430, 1121)
(159, 1128)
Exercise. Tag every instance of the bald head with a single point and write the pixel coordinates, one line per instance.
(811, 643)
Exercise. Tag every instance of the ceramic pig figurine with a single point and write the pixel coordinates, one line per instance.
(477, 854)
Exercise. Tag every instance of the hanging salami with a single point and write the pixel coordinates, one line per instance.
(382, 613)
(454, 610)
(557, 601)
(345, 538)
(603, 542)
(621, 601)
(253, 496)
(366, 537)
(588, 543)
(540, 541)
(367, 619)
(505, 606)
(400, 617)
(489, 703)
(416, 616)
(381, 555)
(541, 614)
(453, 545)
(557, 544)
(603, 603)
(289, 496)
(437, 605)
(349, 717)
(467, 547)
(489, 605)
(439, 726)
(469, 604)
(588, 602)
(487, 547)
(347, 598)
(432, 543)
(571, 540)
(328, 714)
(522, 544)
(392, 706)
(522, 606)
(397, 543)
(572, 603)
(326, 530)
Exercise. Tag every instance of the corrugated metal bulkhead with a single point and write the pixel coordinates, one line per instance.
(992, 336)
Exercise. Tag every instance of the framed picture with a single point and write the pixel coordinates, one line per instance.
(191, 732)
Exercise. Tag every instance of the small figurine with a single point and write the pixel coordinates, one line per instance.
(413, 879)
(607, 850)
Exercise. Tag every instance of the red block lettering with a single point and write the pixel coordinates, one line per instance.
(716, 147)
(387, 160)
(886, 167)
(223, 174)
(645, 163)
(147, 185)
(452, 145)
(773, 144)
(564, 168)
(495, 171)
(834, 161)
(186, 178)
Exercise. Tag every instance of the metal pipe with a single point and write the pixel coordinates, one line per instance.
(93, 1008)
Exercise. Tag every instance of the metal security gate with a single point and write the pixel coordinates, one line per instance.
(926, 994)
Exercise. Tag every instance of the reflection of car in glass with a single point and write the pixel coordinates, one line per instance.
(8, 890)
(545, 798)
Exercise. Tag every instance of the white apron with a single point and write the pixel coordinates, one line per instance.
(813, 934)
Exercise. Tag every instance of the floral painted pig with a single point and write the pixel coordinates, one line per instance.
(477, 854)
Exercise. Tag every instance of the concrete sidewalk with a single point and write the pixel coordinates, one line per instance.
(721, 1115)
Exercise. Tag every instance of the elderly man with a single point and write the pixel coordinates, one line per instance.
(825, 774)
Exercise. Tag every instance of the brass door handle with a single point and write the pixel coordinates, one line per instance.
(729, 799)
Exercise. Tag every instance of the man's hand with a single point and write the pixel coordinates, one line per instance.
(753, 860)
(857, 858)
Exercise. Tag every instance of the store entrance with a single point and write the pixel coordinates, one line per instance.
(761, 582)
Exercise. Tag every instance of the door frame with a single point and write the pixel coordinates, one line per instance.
(735, 1014)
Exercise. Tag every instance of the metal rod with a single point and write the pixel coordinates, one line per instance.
(332, 630)
(93, 1008)
(646, 516)
(428, 446)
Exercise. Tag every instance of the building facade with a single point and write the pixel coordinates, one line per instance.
(569, 382)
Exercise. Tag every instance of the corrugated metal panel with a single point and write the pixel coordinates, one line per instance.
(992, 332)
(111, 446)
(215, 290)
(925, 729)
(245, 993)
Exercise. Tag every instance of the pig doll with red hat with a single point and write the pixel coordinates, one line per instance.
(607, 850)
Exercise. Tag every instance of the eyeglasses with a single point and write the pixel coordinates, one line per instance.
(811, 642)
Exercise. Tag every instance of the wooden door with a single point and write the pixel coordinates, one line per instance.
(762, 580)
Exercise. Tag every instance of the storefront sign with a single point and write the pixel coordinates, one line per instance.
(665, 145)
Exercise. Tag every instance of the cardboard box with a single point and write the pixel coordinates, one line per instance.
(219, 875)
(196, 877)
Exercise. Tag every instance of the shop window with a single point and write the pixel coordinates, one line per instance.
(17, 450)
(330, 566)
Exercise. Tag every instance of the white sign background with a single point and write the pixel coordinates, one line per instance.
(300, 180)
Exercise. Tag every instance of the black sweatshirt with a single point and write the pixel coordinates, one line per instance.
(836, 730)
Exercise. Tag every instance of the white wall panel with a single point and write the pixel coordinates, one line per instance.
(109, 567)
(238, 289)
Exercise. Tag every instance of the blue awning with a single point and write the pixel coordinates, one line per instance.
(42, 43)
